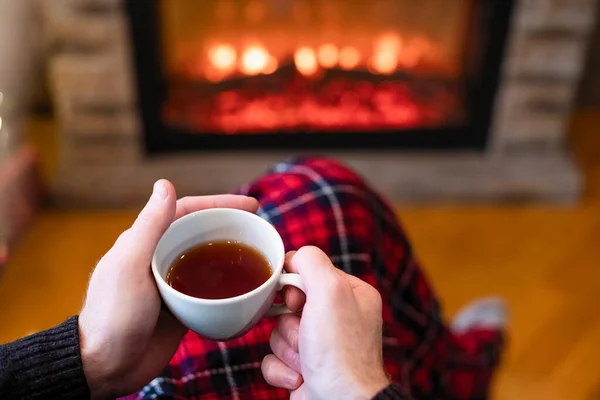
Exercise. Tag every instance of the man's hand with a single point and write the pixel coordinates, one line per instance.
(126, 339)
(335, 350)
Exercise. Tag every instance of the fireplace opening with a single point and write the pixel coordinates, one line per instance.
(293, 74)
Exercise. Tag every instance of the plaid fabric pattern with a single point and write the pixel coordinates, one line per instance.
(313, 201)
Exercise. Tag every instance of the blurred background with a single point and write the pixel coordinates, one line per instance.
(477, 118)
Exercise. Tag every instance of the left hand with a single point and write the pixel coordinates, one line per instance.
(126, 339)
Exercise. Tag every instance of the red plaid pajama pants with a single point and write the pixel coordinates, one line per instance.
(319, 202)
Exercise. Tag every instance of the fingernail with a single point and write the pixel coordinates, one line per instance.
(291, 378)
(160, 190)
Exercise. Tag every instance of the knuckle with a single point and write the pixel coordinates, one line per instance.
(277, 343)
(292, 359)
(308, 249)
(146, 217)
(306, 252)
(376, 296)
(124, 237)
(289, 324)
(274, 340)
(293, 339)
(312, 254)
(375, 301)
(336, 287)
(120, 247)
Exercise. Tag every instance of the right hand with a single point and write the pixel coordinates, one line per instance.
(334, 351)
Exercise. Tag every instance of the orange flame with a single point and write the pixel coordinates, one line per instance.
(349, 57)
(384, 62)
(328, 55)
(254, 60)
(223, 57)
(306, 61)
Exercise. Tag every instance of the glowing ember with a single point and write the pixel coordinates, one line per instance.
(384, 62)
(254, 60)
(388, 54)
(223, 57)
(349, 57)
(328, 55)
(333, 66)
(339, 105)
(306, 61)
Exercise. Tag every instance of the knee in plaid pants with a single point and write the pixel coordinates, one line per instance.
(319, 202)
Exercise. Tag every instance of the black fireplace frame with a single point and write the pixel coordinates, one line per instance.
(494, 15)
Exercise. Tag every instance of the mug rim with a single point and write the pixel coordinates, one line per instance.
(277, 270)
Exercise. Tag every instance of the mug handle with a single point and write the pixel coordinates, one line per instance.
(285, 280)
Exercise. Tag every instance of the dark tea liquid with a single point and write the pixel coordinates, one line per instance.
(218, 270)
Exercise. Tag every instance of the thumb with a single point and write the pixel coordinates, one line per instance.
(137, 244)
(318, 274)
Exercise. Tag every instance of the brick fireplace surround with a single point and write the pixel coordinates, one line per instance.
(103, 160)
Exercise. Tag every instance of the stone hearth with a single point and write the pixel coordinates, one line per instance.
(103, 160)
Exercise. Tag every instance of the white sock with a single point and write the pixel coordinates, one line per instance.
(486, 313)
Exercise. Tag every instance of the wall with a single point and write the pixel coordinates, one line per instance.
(20, 52)
(20, 62)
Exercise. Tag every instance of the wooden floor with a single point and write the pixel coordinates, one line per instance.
(544, 260)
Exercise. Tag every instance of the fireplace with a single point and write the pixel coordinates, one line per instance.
(256, 74)
(431, 100)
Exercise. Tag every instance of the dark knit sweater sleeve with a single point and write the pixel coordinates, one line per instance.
(391, 392)
(46, 365)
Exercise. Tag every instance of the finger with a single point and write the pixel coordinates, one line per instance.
(158, 213)
(284, 351)
(187, 205)
(293, 297)
(319, 277)
(136, 245)
(288, 326)
(287, 263)
(278, 374)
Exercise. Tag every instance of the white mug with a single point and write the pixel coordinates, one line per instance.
(222, 319)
